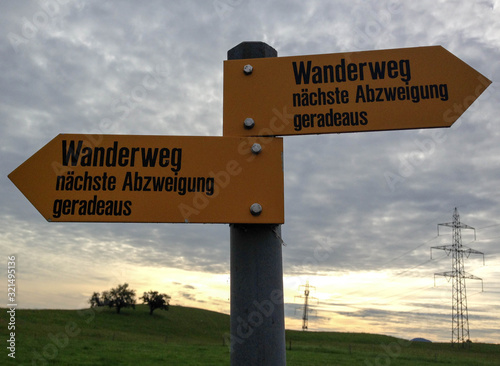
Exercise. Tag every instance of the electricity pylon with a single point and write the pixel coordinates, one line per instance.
(460, 313)
(305, 314)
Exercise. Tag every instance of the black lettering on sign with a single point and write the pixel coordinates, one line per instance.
(320, 97)
(136, 182)
(414, 93)
(85, 182)
(75, 153)
(304, 72)
(329, 119)
(92, 207)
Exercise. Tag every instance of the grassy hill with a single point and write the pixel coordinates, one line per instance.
(187, 336)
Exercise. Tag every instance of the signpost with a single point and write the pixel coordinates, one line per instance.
(396, 89)
(238, 179)
(257, 302)
(177, 179)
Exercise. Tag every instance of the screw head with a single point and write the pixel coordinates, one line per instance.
(256, 209)
(249, 123)
(248, 69)
(256, 148)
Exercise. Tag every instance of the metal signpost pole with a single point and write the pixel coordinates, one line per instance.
(257, 310)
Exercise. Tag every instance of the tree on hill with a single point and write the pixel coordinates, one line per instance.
(120, 297)
(95, 300)
(155, 301)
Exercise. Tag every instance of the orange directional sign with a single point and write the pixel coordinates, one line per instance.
(396, 89)
(121, 178)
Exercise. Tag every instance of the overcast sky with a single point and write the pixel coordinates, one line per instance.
(361, 209)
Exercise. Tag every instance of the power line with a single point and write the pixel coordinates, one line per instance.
(408, 252)
(306, 309)
(460, 313)
(488, 226)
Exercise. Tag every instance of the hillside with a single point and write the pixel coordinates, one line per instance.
(187, 336)
(102, 337)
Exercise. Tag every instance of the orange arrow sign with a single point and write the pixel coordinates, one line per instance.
(396, 89)
(123, 178)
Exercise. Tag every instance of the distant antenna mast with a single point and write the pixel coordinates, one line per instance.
(460, 313)
(305, 314)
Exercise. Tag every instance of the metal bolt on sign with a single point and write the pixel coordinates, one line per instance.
(248, 69)
(256, 148)
(249, 123)
(256, 209)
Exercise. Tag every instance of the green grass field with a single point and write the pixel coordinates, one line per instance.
(188, 337)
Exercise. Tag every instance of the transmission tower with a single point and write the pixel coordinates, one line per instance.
(306, 308)
(460, 314)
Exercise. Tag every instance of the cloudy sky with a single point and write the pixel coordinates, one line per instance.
(361, 209)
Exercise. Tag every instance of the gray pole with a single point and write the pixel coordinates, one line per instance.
(257, 311)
